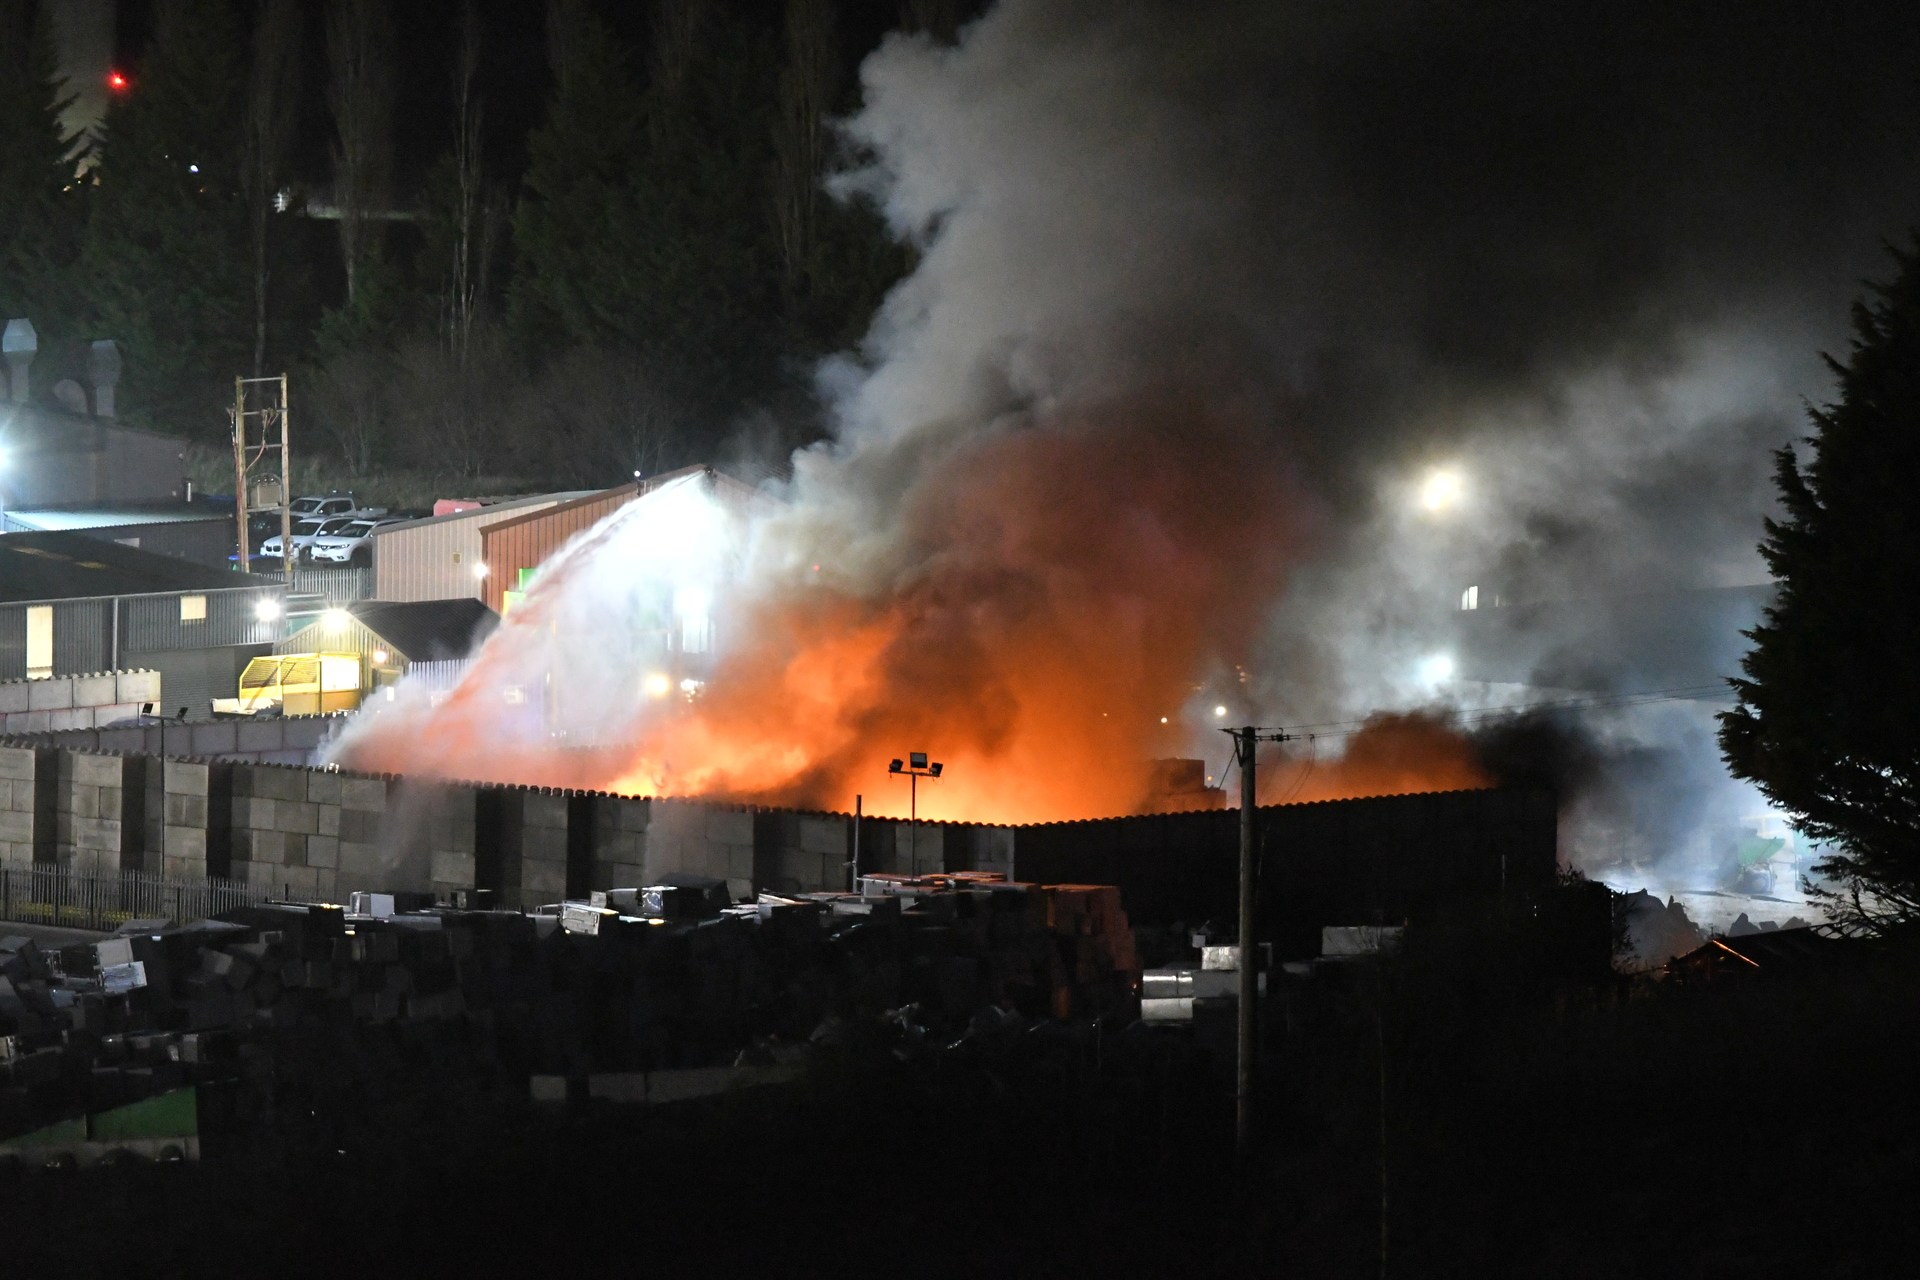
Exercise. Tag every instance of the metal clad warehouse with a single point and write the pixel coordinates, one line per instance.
(525, 541)
(70, 604)
(435, 558)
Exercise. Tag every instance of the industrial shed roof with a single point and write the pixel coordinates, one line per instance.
(72, 566)
(418, 630)
(61, 519)
(491, 508)
(632, 488)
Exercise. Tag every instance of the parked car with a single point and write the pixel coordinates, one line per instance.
(303, 535)
(350, 545)
(315, 506)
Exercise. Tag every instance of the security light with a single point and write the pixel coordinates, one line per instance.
(935, 768)
(335, 619)
(267, 610)
(918, 759)
(893, 766)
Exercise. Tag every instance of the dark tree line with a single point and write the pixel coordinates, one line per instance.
(654, 268)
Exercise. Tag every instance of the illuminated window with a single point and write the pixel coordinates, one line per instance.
(1470, 598)
(39, 641)
(193, 608)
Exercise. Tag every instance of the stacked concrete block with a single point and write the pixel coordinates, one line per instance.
(620, 826)
(186, 818)
(542, 845)
(74, 702)
(444, 834)
(17, 775)
(134, 688)
(272, 821)
(800, 852)
(362, 815)
(702, 839)
(911, 849)
(88, 831)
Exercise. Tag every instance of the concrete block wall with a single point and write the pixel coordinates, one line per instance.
(801, 852)
(319, 833)
(81, 702)
(17, 784)
(186, 820)
(88, 801)
(620, 841)
(288, 740)
(702, 839)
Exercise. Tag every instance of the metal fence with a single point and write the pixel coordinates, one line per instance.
(60, 896)
(335, 586)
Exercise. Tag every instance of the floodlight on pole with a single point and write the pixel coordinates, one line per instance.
(917, 767)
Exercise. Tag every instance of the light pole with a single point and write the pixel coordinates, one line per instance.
(916, 768)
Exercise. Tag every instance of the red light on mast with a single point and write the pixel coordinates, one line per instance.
(118, 82)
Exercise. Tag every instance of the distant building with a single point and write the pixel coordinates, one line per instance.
(77, 454)
(391, 638)
(441, 557)
(514, 548)
(70, 604)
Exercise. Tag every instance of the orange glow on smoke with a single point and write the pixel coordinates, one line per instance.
(1066, 588)
(1392, 754)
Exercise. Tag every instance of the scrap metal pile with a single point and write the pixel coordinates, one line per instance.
(641, 979)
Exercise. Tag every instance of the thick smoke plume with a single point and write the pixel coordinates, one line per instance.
(1204, 292)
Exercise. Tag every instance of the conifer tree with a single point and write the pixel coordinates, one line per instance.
(1826, 722)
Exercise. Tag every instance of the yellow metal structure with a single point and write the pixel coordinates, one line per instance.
(297, 684)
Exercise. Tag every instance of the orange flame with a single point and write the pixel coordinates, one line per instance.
(1069, 586)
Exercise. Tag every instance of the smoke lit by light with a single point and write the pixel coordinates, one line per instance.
(1442, 490)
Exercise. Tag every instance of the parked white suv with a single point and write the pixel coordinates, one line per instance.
(304, 532)
(351, 542)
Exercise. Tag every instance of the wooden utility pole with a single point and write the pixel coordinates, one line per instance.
(254, 459)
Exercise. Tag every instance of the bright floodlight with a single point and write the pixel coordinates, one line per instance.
(1220, 713)
(480, 569)
(267, 610)
(657, 685)
(1437, 668)
(1442, 490)
(335, 619)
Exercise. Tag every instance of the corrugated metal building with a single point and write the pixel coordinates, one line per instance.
(435, 558)
(70, 604)
(524, 542)
(199, 531)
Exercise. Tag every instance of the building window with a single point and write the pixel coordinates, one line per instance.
(193, 608)
(1470, 598)
(39, 641)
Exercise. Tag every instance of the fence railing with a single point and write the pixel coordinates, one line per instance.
(335, 586)
(54, 895)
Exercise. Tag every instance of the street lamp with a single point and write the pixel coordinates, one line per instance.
(915, 768)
